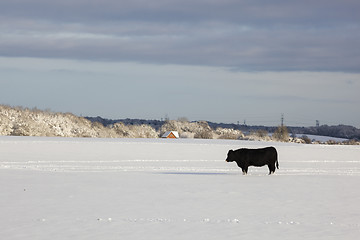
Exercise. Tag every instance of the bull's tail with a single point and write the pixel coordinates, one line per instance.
(276, 156)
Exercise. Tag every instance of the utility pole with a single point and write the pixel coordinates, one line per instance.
(282, 120)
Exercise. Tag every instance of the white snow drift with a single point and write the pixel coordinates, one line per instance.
(61, 188)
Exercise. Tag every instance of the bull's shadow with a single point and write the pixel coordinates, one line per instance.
(252, 174)
(195, 173)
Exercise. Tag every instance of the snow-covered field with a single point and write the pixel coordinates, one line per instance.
(61, 188)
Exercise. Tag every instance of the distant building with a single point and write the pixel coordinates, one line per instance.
(170, 134)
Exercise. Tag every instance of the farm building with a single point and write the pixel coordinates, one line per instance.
(170, 134)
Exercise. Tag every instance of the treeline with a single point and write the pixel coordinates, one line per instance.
(18, 121)
(339, 131)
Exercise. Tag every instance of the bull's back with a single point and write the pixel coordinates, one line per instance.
(271, 151)
(262, 156)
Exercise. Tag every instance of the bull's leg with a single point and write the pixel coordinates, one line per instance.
(271, 168)
(245, 170)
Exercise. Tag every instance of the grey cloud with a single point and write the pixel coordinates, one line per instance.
(244, 35)
(246, 11)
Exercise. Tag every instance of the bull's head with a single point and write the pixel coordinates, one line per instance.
(230, 156)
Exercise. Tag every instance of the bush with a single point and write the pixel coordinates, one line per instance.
(187, 135)
(261, 133)
(204, 134)
(306, 139)
(228, 133)
(281, 134)
(20, 130)
(351, 142)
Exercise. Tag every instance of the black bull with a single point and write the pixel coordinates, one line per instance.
(254, 157)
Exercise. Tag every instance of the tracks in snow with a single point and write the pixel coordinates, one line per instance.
(313, 167)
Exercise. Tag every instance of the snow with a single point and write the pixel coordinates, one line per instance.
(79, 188)
(322, 138)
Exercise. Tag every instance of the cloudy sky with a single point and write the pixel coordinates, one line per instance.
(222, 61)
